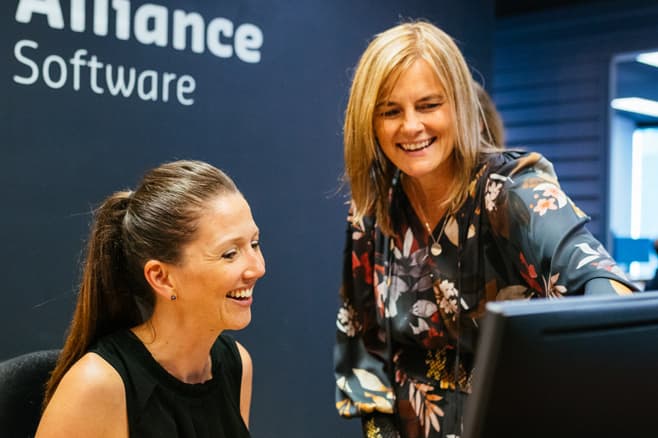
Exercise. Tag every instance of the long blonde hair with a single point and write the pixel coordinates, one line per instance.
(367, 170)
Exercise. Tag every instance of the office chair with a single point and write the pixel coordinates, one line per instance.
(22, 383)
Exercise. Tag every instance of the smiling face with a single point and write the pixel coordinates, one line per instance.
(414, 124)
(219, 268)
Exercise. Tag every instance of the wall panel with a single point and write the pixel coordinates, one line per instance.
(273, 125)
(551, 74)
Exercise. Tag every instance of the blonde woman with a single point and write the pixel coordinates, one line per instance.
(441, 222)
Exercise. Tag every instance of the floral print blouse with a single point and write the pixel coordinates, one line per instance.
(408, 320)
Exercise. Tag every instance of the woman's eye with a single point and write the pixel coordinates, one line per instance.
(230, 255)
(390, 113)
(428, 106)
(255, 244)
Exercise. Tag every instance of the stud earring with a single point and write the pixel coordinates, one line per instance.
(173, 297)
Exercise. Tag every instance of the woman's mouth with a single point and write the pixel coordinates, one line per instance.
(416, 146)
(241, 294)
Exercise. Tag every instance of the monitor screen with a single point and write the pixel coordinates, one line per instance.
(628, 250)
(574, 367)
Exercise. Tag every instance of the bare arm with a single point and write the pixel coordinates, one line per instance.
(245, 385)
(90, 401)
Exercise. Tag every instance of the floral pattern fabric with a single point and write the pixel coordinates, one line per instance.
(408, 320)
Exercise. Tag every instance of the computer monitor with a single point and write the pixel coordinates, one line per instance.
(574, 367)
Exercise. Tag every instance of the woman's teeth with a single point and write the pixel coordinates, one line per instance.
(416, 146)
(240, 294)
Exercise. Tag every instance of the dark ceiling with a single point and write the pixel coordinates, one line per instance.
(633, 79)
(507, 8)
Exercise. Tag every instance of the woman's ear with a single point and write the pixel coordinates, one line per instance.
(159, 277)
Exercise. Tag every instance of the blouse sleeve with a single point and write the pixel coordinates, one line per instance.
(544, 233)
(363, 386)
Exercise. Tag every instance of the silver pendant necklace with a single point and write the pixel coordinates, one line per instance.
(435, 248)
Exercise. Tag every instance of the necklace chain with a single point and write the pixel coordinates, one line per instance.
(435, 248)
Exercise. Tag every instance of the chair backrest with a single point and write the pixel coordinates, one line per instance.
(22, 382)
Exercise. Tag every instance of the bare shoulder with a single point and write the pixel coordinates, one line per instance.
(245, 383)
(93, 368)
(245, 357)
(89, 401)
(92, 377)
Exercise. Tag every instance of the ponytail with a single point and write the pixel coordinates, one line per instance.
(105, 302)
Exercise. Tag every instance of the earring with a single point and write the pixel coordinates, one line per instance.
(173, 297)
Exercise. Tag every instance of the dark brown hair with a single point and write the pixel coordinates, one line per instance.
(493, 130)
(130, 228)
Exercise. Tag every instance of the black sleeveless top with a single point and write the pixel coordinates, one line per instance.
(159, 405)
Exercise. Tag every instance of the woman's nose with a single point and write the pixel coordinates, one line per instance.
(411, 122)
(256, 266)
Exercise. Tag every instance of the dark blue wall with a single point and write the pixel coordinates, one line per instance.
(275, 126)
(551, 84)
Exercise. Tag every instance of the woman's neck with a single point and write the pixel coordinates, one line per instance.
(184, 355)
(429, 195)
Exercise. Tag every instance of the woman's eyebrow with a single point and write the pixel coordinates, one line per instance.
(386, 103)
(436, 96)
